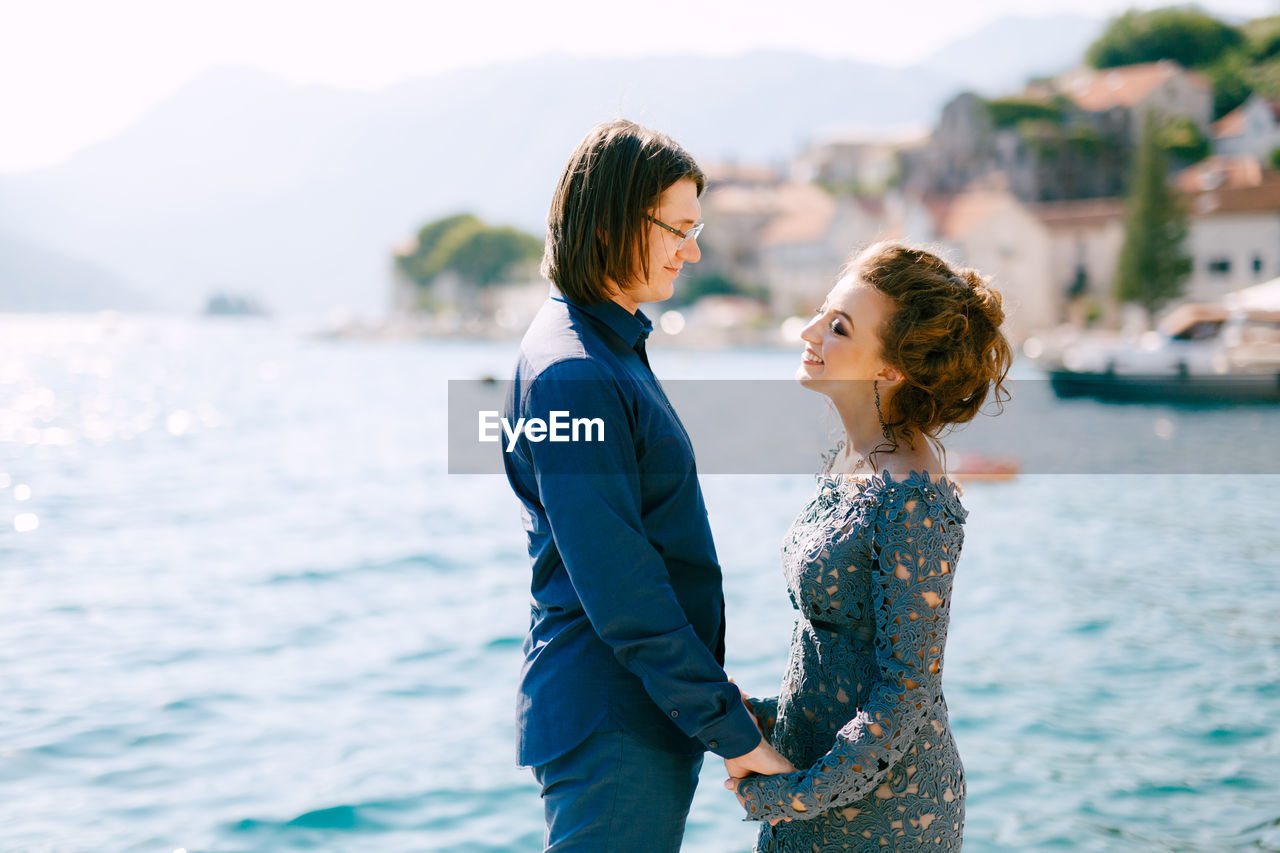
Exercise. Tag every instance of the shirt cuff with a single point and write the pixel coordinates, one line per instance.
(733, 735)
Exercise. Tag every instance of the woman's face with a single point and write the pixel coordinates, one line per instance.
(842, 343)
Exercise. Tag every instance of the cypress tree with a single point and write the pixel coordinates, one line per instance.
(1152, 268)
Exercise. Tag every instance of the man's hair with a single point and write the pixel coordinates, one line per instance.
(596, 227)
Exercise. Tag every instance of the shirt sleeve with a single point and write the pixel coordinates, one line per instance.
(591, 492)
(912, 555)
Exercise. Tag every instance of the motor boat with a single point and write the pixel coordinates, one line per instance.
(1201, 352)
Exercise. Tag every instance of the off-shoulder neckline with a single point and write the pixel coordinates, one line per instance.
(921, 478)
(943, 487)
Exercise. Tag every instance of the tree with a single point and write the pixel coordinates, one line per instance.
(1152, 268)
(1185, 35)
(486, 256)
(1262, 38)
(715, 284)
(479, 254)
(1181, 139)
(1007, 112)
(1232, 79)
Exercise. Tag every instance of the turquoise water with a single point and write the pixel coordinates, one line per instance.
(243, 608)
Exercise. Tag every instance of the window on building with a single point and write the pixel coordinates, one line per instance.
(1220, 266)
(1257, 264)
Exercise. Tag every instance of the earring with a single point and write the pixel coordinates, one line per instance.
(884, 427)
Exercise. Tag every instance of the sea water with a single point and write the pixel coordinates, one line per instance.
(243, 607)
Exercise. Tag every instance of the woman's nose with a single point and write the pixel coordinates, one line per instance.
(810, 331)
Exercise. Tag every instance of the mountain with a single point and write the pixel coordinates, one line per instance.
(1000, 57)
(297, 194)
(35, 278)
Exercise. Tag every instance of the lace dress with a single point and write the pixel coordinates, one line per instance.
(869, 566)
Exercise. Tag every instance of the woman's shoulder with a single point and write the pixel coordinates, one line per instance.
(892, 489)
(897, 489)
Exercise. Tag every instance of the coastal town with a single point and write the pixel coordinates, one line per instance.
(1029, 188)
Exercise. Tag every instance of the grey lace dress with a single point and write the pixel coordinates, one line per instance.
(869, 565)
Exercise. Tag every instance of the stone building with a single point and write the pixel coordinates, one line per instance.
(1065, 138)
(1253, 128)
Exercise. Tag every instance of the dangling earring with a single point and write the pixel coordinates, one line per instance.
(884, 427)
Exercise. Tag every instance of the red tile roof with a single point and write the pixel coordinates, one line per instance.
(1125, 86)
(1232, 124)
(1264, 198)
(1224, 170)
(1079, 213)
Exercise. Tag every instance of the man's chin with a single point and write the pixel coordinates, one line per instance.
(660, 293)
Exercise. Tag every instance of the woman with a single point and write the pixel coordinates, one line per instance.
(905, 347)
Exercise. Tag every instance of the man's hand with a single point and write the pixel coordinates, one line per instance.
(763, 760)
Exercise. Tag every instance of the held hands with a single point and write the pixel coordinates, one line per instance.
(764, 760)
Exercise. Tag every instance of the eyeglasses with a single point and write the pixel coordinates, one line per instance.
(685, 236)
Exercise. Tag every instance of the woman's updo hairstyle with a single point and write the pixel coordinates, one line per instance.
(943, 336)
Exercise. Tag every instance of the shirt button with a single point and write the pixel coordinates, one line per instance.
(675, 714)
(714, 744)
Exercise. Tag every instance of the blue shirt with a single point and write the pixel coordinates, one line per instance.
(627, 614)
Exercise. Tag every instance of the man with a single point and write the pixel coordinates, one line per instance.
(622, 688)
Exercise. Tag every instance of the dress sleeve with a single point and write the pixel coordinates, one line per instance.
(591, 492)
(913, 551)
(765, 712)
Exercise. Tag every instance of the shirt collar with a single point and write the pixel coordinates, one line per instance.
(632, 328)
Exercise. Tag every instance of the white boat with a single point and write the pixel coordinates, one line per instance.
(1202, 352)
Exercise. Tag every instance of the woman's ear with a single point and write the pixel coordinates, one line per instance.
(889, 375)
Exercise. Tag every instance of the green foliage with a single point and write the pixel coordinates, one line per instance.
(1262, 38)
(1180, 33)
(487, 255)
(1264, 78)
(1045, 138)
(1053, 142)
(1181, 139)
(1230, 76)
(715, 284)
(479, 254)
(1152, 268)
(1092, 313)
(1275, 158)
(1007, 112)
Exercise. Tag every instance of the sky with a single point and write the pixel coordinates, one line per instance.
(74, 72)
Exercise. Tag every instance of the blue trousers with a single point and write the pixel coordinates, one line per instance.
(614, 793)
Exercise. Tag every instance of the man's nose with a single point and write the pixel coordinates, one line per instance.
(690, 253)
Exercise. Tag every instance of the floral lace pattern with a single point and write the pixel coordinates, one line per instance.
(869, 565)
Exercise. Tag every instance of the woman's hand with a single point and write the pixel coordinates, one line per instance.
(764, 760)
(732, 785)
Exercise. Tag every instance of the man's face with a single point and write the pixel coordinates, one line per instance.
(678, 207)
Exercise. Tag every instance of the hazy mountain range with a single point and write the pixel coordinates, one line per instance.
(242, 182)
